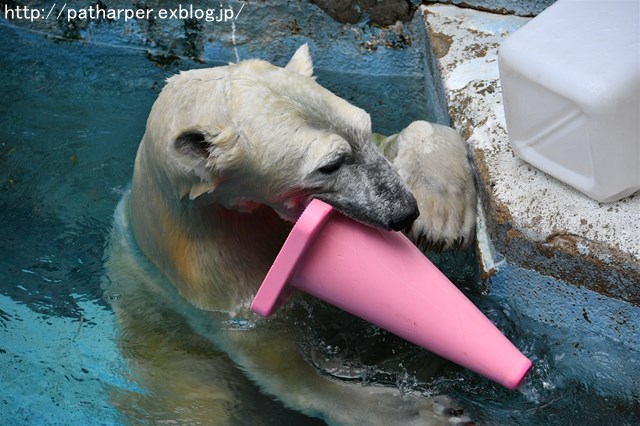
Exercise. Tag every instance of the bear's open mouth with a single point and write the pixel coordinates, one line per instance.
(244, 205)
(291, 205)
(290, 209)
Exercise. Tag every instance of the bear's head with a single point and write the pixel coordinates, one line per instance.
(252, 134)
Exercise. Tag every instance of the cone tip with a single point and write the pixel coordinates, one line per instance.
(518, 375)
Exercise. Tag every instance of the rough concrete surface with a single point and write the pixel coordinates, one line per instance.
(505, 7)
(532, 219)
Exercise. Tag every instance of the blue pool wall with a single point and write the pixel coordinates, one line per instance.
(387, 71)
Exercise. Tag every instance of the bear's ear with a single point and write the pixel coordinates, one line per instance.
(196, 146)
(301, 62)
(205, 153)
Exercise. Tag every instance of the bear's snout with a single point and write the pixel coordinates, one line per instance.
(405, 217)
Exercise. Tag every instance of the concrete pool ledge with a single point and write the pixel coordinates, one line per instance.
(530, 218)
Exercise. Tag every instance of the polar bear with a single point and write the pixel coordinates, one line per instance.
(230, 157)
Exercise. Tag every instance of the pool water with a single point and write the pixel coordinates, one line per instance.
(71, 116)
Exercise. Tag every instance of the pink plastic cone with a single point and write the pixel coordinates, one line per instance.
(382, 277)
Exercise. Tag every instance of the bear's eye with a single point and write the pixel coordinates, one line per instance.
(331, 167)
(193, 143)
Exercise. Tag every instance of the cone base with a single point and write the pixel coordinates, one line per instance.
(273, 292)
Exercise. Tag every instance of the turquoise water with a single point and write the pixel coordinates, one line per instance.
(66, 150)
(71, 116)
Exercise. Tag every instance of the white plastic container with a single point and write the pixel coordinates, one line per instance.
(571, 90)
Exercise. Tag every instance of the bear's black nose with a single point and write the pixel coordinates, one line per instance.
(404, 218)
